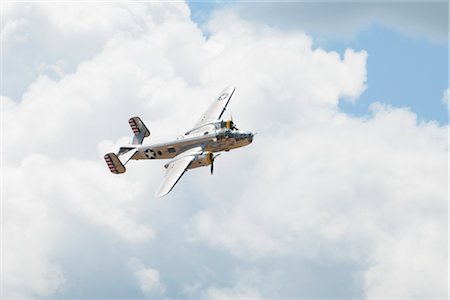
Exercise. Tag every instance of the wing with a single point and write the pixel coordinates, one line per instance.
(215, 111)
(175, 169)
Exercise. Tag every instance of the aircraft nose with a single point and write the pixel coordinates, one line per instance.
(250, 136)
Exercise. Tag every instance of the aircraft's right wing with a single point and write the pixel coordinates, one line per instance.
(175, 169)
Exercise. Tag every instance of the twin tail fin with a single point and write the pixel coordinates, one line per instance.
(116, 162)
(139, 129)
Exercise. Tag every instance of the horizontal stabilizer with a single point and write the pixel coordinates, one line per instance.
(139, 129)
(125, 154)
(114, 164)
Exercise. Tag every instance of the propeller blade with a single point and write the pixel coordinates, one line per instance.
(233, 125)
(212, 162)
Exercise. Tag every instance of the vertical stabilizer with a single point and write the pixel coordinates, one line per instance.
(139, 129)
(114, 164)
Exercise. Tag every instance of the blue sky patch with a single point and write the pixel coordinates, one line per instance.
(402, 70)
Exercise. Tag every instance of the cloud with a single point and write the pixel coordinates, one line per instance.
(33, 33)
(28, 236)
(321, 204)
(148, 279)
(445, 98)
(344, 19)
(356, 191)
(44, 202)
(225, 293)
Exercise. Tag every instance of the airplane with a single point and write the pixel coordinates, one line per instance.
(198, 147)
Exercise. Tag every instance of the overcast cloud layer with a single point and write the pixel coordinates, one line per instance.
(322, 204)
(344, 19)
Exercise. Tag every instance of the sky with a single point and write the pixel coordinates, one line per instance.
(342, 194)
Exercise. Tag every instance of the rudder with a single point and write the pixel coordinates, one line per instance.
(114, 164)
(139, 129)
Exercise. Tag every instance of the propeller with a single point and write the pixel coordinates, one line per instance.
(233, 126)
(212, 162)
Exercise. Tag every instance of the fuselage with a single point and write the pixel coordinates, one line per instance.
(217, 140)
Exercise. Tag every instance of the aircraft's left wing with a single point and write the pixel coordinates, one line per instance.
(217, 108)
(175, 169)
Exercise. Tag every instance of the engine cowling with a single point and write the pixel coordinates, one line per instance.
(228, 124)
(202, 160)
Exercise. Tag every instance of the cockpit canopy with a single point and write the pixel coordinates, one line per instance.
(236, 134)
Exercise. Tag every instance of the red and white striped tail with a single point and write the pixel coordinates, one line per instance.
(139, 129)
(133, 125)
(114, 164)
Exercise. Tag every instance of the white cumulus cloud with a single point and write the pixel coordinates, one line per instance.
(320, 204)
(148, 279)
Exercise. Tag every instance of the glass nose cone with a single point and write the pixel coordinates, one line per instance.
(250, 137)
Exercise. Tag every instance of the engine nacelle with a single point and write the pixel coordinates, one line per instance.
(229, 124)
(202, 160)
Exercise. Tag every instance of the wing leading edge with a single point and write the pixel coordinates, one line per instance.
(175, 169)
(217, 108)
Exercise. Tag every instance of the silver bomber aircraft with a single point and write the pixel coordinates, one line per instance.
(196, 148)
